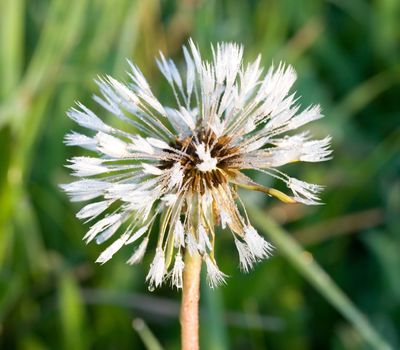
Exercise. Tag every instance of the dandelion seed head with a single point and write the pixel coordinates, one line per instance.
(185, 161)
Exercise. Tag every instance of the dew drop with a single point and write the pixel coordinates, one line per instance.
(151, 288)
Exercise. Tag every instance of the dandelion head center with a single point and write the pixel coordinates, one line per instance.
(207, 160)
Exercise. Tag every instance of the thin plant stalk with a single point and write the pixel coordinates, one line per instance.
(189, 316)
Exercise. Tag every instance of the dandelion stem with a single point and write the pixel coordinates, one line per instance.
(190, 302)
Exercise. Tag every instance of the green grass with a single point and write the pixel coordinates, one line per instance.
(347, 54)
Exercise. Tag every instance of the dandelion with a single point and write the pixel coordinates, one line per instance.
(185, 162)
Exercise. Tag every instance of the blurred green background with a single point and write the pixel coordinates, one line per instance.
(53, 295)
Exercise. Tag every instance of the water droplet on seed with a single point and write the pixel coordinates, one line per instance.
(151, 288)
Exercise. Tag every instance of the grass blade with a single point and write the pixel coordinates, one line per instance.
(148, 338)
(314, 274)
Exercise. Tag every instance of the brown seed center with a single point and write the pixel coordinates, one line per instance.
(227, 159)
